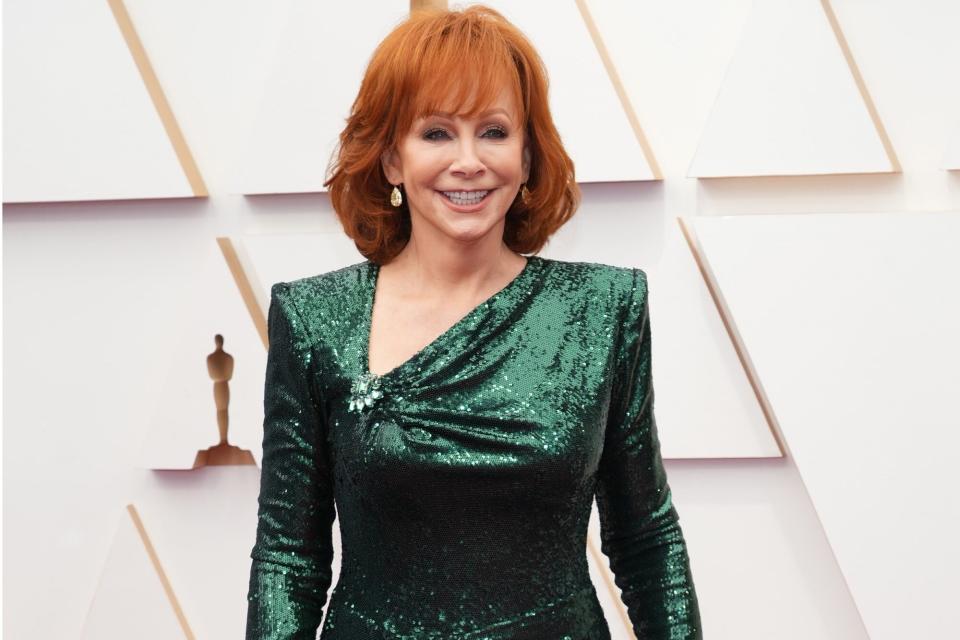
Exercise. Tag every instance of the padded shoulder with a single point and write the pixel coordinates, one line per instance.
(323, 302)
(600, 282)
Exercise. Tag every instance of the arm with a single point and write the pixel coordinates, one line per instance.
(291, 569)
(640, 530)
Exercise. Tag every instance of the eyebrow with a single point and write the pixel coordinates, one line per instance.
(488, 112)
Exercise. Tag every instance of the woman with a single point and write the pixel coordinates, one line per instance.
(457, 403)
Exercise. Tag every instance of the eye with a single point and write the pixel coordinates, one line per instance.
(495, 132)
(435, 134)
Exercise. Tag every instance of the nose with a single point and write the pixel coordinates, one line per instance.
(467, 163)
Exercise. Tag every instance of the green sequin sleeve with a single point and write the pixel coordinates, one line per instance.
(291, 569)
(640, 530)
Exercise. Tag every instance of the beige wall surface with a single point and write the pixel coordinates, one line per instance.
(103, 255)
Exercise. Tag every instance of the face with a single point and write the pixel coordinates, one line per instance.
(460, 175)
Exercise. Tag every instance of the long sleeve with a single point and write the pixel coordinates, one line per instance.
(640, 530)
(292, 556)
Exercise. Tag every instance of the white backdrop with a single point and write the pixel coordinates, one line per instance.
(93, 291)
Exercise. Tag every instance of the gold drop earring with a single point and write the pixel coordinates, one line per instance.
(396, 198)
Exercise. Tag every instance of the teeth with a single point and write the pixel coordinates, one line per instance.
(466, 197)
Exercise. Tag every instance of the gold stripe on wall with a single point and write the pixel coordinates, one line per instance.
(246, 289)
(732, 333)
(861, 85)
(160, 103)
(155, 561)
(427, 4)
(620, 89)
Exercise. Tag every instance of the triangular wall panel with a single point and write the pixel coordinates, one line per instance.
(78, 121)
(790, 103)
(203, 526)
(317, 67)
(130, 601)
(704, 398)
(851, 326)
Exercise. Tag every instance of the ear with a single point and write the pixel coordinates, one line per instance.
(526, 163)
(390, 161)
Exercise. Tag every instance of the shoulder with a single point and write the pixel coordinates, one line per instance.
(623, 286)
(342, 280)
(315, 300)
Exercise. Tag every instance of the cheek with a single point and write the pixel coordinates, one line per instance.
(508, 160)
(426, 167)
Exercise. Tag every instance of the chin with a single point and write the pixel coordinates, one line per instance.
(469, 230)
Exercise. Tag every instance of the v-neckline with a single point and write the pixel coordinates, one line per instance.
(373, 277)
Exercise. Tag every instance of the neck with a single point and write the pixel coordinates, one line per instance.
(454, 271)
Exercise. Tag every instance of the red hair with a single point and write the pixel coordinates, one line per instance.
(408, 77)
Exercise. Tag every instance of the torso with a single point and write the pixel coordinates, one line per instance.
(414, 323)
(506, 417)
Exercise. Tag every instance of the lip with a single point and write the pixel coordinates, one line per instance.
(466, 208)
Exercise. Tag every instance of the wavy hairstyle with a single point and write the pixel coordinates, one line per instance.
(408, 77)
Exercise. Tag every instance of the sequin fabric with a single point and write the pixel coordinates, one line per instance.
(464, 489)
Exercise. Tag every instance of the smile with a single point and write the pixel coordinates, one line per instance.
(465, 198)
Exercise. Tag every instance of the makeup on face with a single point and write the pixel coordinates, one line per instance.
(461, 174)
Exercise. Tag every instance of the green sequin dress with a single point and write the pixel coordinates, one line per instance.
(463, 479)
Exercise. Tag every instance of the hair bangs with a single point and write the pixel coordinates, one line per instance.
(462, 69)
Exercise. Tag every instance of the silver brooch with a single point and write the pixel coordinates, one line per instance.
(364, 392)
